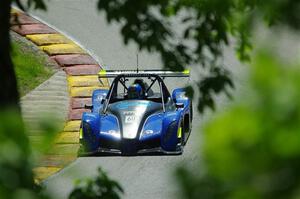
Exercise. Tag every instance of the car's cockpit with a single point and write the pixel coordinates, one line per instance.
(150, 88)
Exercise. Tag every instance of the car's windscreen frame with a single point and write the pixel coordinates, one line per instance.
(164, 93)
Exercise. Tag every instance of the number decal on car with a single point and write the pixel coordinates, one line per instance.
(129, 119)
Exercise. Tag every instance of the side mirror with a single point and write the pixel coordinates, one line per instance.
(88, 106)
(179, 105)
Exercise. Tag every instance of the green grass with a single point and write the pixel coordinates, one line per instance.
(30, 68)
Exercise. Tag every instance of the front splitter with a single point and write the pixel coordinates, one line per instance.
(152, 151)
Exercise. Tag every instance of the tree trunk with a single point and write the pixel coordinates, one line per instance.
(9, 96)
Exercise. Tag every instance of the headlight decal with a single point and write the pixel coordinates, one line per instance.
(152, 126)
(110, 126)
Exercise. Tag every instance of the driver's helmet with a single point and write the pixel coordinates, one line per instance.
(135, 91)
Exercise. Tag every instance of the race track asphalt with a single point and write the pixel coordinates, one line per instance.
(142, 177)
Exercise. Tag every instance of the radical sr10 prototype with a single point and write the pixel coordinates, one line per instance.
(137, 115)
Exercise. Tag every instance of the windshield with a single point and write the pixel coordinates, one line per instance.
(137, 88)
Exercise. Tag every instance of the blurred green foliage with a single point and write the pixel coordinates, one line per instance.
(18, 156)
(100, 187)
(201, 31)
(252, 150)
(36, 4)
(16, 177)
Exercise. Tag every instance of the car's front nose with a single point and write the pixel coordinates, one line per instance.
(128, 146)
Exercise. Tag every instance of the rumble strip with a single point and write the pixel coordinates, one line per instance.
(81, 69)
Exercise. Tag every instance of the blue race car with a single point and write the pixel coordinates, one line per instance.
(137, 115)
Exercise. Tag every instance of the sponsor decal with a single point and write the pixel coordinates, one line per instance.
(129, 119)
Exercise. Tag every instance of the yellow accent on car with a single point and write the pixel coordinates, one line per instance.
(80, 133)
(102, 72)
(186, 71)
(179, 132)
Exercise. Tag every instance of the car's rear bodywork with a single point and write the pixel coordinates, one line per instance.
(160, 123)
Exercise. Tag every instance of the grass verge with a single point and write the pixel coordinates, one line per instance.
(30, 68)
